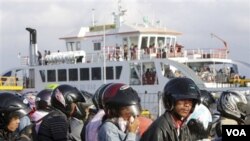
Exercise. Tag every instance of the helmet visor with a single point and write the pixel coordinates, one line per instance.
(134, 109)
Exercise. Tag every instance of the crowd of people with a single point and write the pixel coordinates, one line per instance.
(114, 113)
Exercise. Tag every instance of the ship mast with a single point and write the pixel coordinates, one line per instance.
(118, 16)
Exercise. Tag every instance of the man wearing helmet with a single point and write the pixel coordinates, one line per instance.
(121, 108)
(180, 96)
(12, 108)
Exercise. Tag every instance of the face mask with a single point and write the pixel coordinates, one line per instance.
(122, 124)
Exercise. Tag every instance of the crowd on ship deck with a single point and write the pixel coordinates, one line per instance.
(114, 113)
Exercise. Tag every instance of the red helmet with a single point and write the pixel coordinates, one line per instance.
(119, 95)
(98, 96)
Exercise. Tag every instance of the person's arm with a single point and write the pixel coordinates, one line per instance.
(110, 132)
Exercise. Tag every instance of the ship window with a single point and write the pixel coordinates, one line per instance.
(70, 46)
(135, 74)
(84, 74)
(96, 73)
(78, 45)
(118, 70)
(144, 42)
(51, 77)
(97, 46)
(170, 71)
(42, 74)
(161, 42)
(62, 75)
(73, 75)
(109, 73)
(152, 42)
(7, 74)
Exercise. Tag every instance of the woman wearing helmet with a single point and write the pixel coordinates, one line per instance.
(230, 105)
(180, 95)
(121, 110)
(12, 108)
(91, 128)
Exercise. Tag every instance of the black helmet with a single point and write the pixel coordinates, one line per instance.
(43, 100)
(98, 96)
(87, 96)
(179, 89)
(118, 95)
(63, 96)
(207, 98)
(12, 104)
(230, 103)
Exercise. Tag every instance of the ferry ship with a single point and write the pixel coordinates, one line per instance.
(145, 56)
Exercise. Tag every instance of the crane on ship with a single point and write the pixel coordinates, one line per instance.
(223, 41)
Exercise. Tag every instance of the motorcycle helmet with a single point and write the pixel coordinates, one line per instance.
(207, 99)
(119, 95)
(230, 103)
(43, 100)
(98, 96)
(180, 89)
(64, 96)
(12, 105)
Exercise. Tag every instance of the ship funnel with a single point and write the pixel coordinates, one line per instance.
(33, 59)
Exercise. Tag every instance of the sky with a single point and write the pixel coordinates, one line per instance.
(196, 19)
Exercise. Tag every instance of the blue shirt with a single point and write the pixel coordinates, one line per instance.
(110, 132)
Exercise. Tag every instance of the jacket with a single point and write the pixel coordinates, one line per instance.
(54, 127)
(163, 129)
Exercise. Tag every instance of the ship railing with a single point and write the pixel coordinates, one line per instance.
(10, 83)
(205, 53)
(119, 54)
(150, 53)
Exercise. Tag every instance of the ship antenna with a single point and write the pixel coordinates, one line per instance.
(93, 17)
(118, 17)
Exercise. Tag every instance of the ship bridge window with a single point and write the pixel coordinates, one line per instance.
(144, 42)
(73, 75)
(42, 74)
(97, 46)
(73, 46)
(96, 73)
(109, 73)
(78, 45)
(152, 42)
(62, 75)
(84, 73)
(70, 46)
(118, 70)
(161, 42)
(51, 75)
